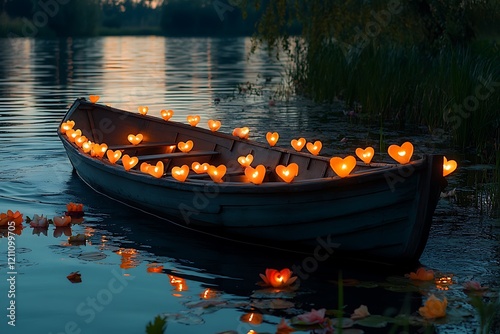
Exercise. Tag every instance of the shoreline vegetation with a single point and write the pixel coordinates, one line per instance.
(432, 63)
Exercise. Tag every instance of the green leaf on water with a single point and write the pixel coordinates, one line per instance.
(374, 321)
(158, 326)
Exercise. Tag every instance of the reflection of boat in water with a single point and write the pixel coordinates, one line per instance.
(381, 211)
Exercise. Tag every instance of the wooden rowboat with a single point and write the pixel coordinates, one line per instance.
(380, 211)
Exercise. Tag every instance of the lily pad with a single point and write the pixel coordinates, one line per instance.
(185, 318)
(92, 256)
(272, 293)
(375, 321)
(273, 304)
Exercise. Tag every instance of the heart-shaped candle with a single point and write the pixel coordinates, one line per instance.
(100, 150)
(298, 144)
(80, 140)
(256, 175)
(166, 114)
(113, 156)
(143, 110)
(193, 120)
(401, 154)
(343, 167)
(448, 166)
(199, 168)
(185, 146)
(144, 167)
(94, 98)
(272, 138)
(287, 173)
(245, 161)
(242, 133)
(129, 162)
(216, 173)
(67, 125)
(156, 170)
(180, 173)
(87, 146)
(365, 155)
(214, 125)
(314, 148)
(135, 139)
(73, 134)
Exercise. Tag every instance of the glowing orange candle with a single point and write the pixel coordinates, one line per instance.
(272, 138)
(256, 175)
(144, 167)
(287, 173)
(100, 150)
(87, 146)
(185, 146)
(314, 148)
(199, 168)
(365, 155)
(298, 144)
(180, 173)
(216, 173)
(73, 134)
(208, 294)
(343, 167)
(80, 140)
(242, 133)
(154, 268)
(178, 283)
(143, 110)
(156, 170)
(129, 162)
(245, 161)
(448, 166)
(94, 98)
(252, 318)
(67, 126)
(401, 154)
(113, 156)
(166, 114)
(193, 120)
(135, 139)
(214, 125)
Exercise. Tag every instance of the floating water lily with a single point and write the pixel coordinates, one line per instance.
(474, 286)
(278, 279)
(38, 221)
(61, 221)
(313, 317)
(11, 216)
(422, 275)
(360, 313)
(284, 328)
(433, 308)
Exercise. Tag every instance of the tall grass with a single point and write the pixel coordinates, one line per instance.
(457, 90)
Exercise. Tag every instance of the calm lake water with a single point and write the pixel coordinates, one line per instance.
(120, 292)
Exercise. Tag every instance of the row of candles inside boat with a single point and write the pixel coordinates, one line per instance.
(341, 166)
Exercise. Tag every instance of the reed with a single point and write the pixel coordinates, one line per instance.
(453, 90)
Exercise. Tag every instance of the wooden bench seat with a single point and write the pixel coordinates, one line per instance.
(142, 145)
(176, 155)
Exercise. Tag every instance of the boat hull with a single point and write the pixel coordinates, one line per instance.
(382, 215)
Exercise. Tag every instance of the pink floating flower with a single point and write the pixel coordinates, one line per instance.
(422, 275)
(278, 279)
(284, 328)
(360, 313)
(313, 317)
(474, 286)
(39, 221)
